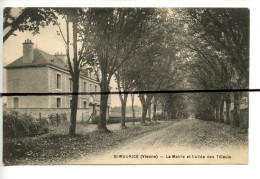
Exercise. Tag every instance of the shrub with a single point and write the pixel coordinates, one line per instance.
(62, 117)
(17, 125)
(95, 120)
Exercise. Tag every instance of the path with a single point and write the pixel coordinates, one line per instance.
(191, 137)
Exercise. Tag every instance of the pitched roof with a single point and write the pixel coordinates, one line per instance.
(40, 58)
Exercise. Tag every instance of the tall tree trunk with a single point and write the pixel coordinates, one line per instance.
(208, 115)
(154, 110)
(149, 111)
(164, 111)
(145, 104)
(236, 112)
(75, 79)
(74, 106)
(212, 114)
(222, 111)
(174, 114)
(133, 109)
(228, 105)
(144, 113)
(123, 98)
(169, 115)
(103, 105)
(123, 111)
(217, 112)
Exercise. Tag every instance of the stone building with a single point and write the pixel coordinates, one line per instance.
(39, 72)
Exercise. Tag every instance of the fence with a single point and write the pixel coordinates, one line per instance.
(82, 114)
(129, 113)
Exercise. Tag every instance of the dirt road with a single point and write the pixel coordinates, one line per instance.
(188, 141)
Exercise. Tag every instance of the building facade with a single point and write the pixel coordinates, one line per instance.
(39, 72)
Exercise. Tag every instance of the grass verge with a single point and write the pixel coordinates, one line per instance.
(57, 148)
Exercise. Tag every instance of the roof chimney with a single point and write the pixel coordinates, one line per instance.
(28, 53)
(61, 56)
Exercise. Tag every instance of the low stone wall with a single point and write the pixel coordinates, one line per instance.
(82, 114)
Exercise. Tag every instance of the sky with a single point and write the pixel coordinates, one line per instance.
(49, 41)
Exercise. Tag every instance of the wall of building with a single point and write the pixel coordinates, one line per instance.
(65, 88)
(28, 101)
(27, 80)
(44, 80)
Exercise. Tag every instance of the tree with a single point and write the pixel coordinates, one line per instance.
(227, 30)
(152, 72)
(109, 30)
(124, 79)
(156, 67)
(75, 18)
(133, 109)
(33, 18)
(155, 103)
(30, 19)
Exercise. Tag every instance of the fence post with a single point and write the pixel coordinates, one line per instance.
(40, 117)
(57, 117)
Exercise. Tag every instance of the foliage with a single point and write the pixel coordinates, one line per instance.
(226, 30)
(113, 35)
(62, 117)
(30, 19)
(216, 48)
(18, 125)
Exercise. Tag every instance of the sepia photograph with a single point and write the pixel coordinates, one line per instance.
(125, 86)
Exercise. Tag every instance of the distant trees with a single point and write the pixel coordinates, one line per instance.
(220, 40)
(155, 58)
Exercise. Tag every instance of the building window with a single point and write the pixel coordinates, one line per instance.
(58, 81)
(16, 102)
(70, 83)
(90, 87)
(85, 87)
(85, 104)
(58, 102)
